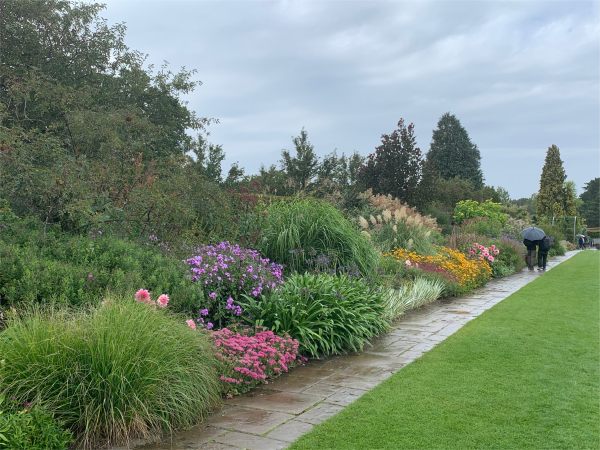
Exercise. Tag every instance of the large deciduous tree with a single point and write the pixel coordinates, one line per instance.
(396, 166)
(552, 196)
(590, 208)
(452, 153)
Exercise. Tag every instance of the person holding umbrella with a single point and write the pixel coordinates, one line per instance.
(532, 236)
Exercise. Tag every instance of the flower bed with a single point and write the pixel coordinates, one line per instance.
(227, 271)
(251, 359)
(453, 264)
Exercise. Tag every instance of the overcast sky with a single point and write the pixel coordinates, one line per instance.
(519, 75)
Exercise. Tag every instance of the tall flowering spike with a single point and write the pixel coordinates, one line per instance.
(143, 296)
(163, 301)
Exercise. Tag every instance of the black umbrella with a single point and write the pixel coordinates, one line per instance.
(533, 233)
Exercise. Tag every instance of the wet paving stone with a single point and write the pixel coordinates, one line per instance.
(248, 420)
(250, 442)
(345, 396)
(290, 431)
(270, 400)
(193, 438)
(320, 413)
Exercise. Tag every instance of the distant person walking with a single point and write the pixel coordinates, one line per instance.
(545, 245)
(530, 258)
(532, 237)
(581, 242)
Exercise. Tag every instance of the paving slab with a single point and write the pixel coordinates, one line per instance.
(275, 415)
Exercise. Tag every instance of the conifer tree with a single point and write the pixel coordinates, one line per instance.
(452, 152)
(551, 199)
(590, 209)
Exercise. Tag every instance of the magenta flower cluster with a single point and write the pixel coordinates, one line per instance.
(484, 253)
(251, 359)
(227, 271)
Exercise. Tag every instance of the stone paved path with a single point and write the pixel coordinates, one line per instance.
(275, 415)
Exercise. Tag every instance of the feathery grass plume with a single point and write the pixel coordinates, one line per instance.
(387, 215)
(364, 224)
(373, 220)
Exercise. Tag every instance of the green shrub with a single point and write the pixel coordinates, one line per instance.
(299, 232)
(31, 429)
(121, 371)
(327, 314)
(54, 267)
(469, 209)
(412, 295)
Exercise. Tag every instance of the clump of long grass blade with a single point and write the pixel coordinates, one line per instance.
(411, 295)
(112, 374)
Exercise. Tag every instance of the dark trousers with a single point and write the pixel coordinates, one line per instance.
(530, 258)
(542, 258)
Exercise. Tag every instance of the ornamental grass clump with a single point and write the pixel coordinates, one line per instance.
(298, 232)
(249, 359)
(390, 224)
(414, 294)
(327, 314)
(225, 272)
(121, 371)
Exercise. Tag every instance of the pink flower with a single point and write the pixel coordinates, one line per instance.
(191, 324)
(490, 258)
(163, 301)
(143, 296)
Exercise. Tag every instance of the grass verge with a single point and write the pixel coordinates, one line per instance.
(523, 375)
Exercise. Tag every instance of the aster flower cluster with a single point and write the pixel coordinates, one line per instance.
(227, 271)
(250, 359)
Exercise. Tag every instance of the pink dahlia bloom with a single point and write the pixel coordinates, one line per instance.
(163, 301)
(143, 296)
(191, 324)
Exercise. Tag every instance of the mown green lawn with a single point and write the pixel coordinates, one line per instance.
(525, 374)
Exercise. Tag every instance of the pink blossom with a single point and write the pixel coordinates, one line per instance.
(191, 324)
(143, 296)
(163, 301)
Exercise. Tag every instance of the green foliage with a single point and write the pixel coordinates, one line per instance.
(468, 209)
(411, 295)
(590, 209)
(452, 154)
(299, 231)
(523, 375)
(31, 429)
(302, 168)
(551, 197)
(122, 371)
(555, 232)
(396, 165)
(38, 267)
(327, 314)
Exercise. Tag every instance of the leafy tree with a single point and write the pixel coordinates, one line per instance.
(590, 208)
(452, 154)
(552, 196)
(396, 165)
(209, 158)
(303, 167)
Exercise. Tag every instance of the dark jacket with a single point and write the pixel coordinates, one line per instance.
(546, 243)
(529, 244)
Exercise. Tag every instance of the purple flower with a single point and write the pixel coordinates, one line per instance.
(212, 295)
(209, 326)
(204, 312)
